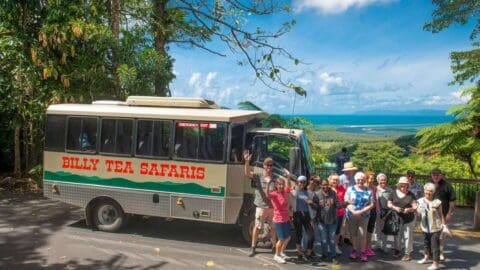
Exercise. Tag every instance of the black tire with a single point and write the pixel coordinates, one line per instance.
(247, 223)
(108, 216)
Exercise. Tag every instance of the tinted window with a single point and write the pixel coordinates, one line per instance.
(82, 134)
(236, 143)
(153, 138)
(116, 136)
(55, 133)
(205, 141)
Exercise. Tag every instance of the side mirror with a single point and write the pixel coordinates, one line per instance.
(295, 165)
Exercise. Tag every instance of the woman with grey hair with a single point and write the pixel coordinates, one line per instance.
(404, 203)
(384, 193)
(432, 223)
(360, 200)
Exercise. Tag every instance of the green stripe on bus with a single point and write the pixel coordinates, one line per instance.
(190, 188)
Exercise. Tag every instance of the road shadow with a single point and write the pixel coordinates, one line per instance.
(27, 221)
(227, 235)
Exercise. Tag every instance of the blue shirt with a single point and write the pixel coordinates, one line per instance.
(301, 204)
(359, 198)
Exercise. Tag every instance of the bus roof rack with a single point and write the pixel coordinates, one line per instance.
(178, 102)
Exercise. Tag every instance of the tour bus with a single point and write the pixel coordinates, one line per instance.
(169, 157)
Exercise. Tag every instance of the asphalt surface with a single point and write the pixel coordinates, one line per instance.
(37, 233)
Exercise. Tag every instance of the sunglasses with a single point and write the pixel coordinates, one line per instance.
(269, 165)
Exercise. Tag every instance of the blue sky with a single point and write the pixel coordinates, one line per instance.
(360, 55)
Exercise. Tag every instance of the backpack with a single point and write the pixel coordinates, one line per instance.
(392, 223)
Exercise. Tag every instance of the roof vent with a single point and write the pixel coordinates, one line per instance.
(176, 102)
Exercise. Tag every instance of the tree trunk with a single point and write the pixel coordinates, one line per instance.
(115, 28)
(16, 143)
(160, 18)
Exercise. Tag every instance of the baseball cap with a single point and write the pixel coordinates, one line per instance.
(302, 178)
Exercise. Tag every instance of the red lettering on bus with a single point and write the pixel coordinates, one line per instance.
(163, 168)
(153, 169)
(109, 164)
(144, 168)
(201, 173)
(184, 171)
(173, 171)
(128, 167)
(94, 163)
(80, 164)
(66, 162)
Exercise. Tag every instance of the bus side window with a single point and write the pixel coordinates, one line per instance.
(236, 143)
(55, 133)
(162, 134)
(82, 134)
(124, 137)
(108, 136)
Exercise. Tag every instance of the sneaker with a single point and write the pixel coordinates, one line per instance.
(369, 252)
(407, 258)
(442, 257)
(283, 255)
(396, 253)
(279, 259)
(422, 261)
(300, 257)
(337, 250)
(432, 267)
(252, 252)
(334, 260)
(353, 255)
(309, 257)
(363, 257)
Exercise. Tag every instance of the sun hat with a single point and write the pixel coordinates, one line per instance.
(302, 178)
(403, 180)
(348, 166)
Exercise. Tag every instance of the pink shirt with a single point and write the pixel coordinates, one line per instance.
(280, 205)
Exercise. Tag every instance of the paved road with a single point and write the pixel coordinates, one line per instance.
(36, 233)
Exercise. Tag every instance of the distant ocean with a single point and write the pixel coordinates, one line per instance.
(378, 124)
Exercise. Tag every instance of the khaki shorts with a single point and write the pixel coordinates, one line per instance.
(262, 216)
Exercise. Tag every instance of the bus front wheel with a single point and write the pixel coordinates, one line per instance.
(248, 222)
(108, 216)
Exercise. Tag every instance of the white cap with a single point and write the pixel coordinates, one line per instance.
(302, 178)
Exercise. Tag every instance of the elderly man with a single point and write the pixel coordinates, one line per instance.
(414, 187)
(346, 179)
(446, 194)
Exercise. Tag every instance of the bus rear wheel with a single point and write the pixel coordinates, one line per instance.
(108, 216)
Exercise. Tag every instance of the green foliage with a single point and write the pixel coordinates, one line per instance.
(422, 165)
(408, 143)
(460, 138)
(449, 12)
(377, 157)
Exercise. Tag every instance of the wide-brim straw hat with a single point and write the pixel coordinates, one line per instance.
(348, 166)
(403, 180)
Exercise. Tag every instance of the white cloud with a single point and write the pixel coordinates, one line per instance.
(194, 78)
(210, 77)
(304, 81)
(327, 81)
(334, 6)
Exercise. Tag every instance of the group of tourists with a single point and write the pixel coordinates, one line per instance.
(351, 208)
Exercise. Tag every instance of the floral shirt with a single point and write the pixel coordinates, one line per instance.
(359, 199)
